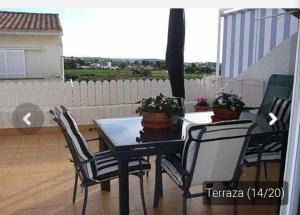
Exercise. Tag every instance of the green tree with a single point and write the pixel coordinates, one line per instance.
(122, 65)
(141, 72)
(70, 63)
(144, 63)
(190, 69)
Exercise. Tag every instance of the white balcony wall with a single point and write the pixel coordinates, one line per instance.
(90, 100)
(281, 60)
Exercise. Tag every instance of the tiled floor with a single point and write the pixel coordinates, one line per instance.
(37, 178)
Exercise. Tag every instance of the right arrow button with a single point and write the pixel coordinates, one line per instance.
(273, 117)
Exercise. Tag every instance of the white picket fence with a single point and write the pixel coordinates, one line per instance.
(90, 100)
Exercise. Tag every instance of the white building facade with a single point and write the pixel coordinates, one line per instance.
(30, 46)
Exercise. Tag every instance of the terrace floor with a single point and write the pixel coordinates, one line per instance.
(37, 178)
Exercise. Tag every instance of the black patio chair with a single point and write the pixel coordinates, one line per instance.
(212, 152)
(269, 152)
(94, 168)
(279, 86)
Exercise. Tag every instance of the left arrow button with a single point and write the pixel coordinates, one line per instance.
(26, 119)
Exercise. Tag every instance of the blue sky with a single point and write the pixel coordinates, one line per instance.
(133, 33)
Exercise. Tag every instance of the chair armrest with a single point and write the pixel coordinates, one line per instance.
(88, 140)
(103, 156)
(52, 112)
(250, 108)
(178, 165)
(81, 163)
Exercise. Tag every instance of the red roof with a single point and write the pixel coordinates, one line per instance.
(29, 22)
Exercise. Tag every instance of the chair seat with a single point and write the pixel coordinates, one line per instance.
(270, 152)
(252, 150)
(108, 167)
(272, 147)
(169, 164)
(266, 156)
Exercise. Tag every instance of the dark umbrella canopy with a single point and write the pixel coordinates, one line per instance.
(175, 51)
(296, 11)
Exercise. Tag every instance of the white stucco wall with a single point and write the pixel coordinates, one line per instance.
(281, 60)
(43, 54)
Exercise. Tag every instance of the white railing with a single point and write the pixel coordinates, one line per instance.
(89, 100)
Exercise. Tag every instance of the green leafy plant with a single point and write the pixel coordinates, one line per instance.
(159, 104)
(228, 100)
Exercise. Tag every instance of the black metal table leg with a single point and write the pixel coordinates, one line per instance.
(105, 186)
(123, 188)
(159, 170)
(158, 182)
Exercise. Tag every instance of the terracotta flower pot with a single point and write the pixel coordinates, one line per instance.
(225, 114)
(156, 120)
(201, 108)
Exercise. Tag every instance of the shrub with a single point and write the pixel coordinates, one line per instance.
(141, 72)
(71, 76)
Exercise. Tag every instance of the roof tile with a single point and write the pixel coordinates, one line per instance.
(29, 22)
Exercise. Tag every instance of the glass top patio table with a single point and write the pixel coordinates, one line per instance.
(128, 132)
(127, 138)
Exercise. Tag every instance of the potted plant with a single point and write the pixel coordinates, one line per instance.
(202, 104)
(158, 111)
(227, 106)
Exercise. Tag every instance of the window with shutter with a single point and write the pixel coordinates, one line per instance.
(12, 64)
(2, 64)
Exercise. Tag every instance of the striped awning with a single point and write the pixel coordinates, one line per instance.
(250, 34)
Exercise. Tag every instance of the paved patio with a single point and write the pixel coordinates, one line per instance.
(36, 177)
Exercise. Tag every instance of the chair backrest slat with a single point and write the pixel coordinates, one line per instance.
(278, 86)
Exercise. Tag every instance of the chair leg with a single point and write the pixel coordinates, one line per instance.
(84, 200)
(258, 169)
(75, 186)
(235, 207)
(208, 199)
(160, 183)
(184, 209)
(142, 194)
(265, 169)
(147, 173)
(257, 175)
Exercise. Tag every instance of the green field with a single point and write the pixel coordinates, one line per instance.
(106, 74)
